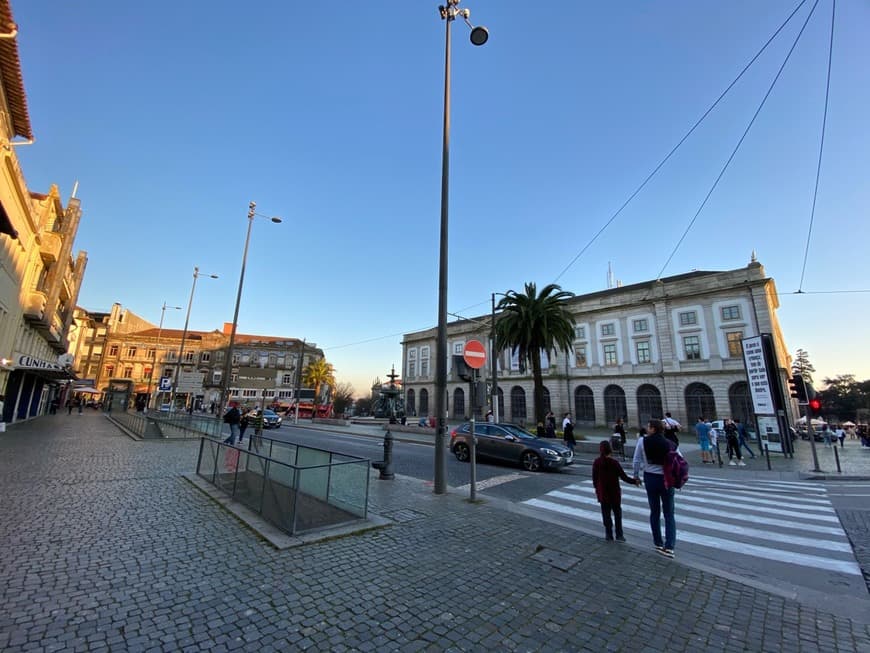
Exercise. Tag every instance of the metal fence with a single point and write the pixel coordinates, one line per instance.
(296, 488)
(163, 425)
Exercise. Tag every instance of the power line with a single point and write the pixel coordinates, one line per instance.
(739, 142)
(681, 141)
(821, 146)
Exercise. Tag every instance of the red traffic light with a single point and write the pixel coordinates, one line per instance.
(815, 406)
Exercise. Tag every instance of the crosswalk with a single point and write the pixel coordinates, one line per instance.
(778, 521)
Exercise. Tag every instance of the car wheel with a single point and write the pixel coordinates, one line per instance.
(531, 461)
(461, 452)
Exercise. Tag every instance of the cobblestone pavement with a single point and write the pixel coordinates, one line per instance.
(105, 547)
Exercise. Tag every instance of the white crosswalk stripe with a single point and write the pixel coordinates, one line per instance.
(775, 520)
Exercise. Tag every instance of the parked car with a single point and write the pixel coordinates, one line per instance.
(271, 419)
(509, 443)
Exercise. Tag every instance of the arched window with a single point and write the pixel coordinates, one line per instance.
(547, 408)
(740, 402)
(459, 403)
(649, 403)
(614, 404)
(518, 404)
(584, 405)
(699, 402)
(411, 409)
(501, 414)
(424, 402)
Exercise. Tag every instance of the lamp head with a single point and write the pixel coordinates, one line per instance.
(479, 35)
(276, 219)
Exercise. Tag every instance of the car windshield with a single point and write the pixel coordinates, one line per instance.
(518, 432)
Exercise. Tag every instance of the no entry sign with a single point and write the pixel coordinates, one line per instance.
(474, 354)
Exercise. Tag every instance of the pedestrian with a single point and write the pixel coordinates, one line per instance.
(826, 435)
(568, 432)
(257, 438)
(232, 417)
(244, 420)
(649, 457)
(619, 429)
(702, 428)
(713, 434)
(671, 428)
(550, 424)
(733, 444)
(490, 417)
(841, 435)
(741, 438)
(606, 472)
(69, 406)
(80, 404)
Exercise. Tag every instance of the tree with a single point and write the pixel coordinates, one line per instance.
(531, 323)
(844, 397)
(342, 397)
(801, 365)
(315, 375)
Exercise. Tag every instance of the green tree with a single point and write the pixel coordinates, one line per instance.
(843, 397)
(317, 374)
(801, 365)
(531, 323)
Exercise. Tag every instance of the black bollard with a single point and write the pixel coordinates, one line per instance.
(767, 456)
(837, 459)
(385, 466)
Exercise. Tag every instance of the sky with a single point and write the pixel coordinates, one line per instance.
(173, 116)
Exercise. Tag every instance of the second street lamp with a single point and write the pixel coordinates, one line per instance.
(196, 275)
(228, 363)
(156, 349)
(479, 36)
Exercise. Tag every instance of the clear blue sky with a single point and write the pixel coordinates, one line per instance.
(174, 115)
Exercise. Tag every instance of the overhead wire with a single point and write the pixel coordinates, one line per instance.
(680, 142)
(821, 147)
(739, 143)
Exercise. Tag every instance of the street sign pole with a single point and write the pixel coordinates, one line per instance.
(474, 356)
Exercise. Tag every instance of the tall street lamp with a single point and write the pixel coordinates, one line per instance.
(479, 36)
(196, 275)
(156, 347)
(225, 381)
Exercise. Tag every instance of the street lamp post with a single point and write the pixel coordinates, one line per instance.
(225, 381)
(479, 35)
(177, 374)
(156, 347)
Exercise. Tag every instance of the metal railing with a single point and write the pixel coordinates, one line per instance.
(296, 488)
(162, 425)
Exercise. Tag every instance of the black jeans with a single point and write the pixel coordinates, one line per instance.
(606, 510)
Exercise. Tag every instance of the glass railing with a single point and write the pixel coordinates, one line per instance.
(296, 488)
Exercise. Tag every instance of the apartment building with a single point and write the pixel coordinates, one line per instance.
(674, 344)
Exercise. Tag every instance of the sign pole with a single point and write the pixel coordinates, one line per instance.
(473, 443)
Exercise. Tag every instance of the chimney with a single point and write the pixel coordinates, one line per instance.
(228, 328)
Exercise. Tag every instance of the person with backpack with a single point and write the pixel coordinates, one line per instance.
(606, 472)
(650, 457)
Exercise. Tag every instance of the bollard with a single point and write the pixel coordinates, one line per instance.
(837, 460)
(385, 466)
(767, 456)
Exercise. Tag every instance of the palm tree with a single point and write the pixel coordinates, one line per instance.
(531, 323)
(315, 375)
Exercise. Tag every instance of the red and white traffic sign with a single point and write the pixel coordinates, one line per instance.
(474, 354)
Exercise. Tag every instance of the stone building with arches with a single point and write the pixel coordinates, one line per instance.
(669, 345)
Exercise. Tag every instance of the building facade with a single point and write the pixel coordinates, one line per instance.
(39, 275)
(120, 347)
(674, 345)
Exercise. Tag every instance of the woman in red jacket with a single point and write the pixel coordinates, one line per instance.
(606, 472)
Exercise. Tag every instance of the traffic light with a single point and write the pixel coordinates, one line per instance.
(797, 386)
(814, 406)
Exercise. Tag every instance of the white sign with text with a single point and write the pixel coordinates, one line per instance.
(756, 371)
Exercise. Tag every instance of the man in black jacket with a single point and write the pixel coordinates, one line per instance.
(233, 417)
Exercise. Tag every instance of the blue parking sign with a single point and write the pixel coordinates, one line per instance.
(165, 383)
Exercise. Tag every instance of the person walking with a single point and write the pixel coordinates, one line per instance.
(733, 444)
(606, 472)
(568, 432)
(741, 438)
(649, 458)
(69, 406)
(702, 428)
(244, 420)
(550, 424)
(841, 435)
(671, 428)
(826, 435)
(619, 429)
(232, 417)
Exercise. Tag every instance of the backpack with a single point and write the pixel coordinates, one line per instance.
(676, 470)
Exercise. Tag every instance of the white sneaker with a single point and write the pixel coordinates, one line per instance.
(741, 464)
(732, 463)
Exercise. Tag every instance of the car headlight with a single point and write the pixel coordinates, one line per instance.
(550, 452)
